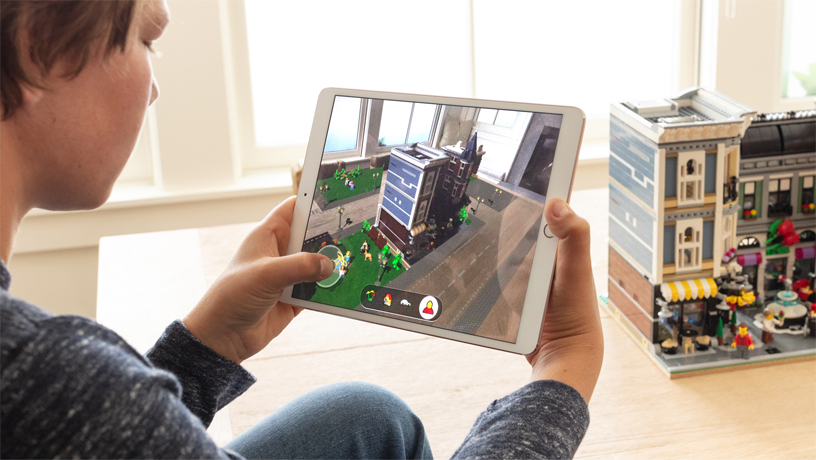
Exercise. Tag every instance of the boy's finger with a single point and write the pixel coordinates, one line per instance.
(297, 268)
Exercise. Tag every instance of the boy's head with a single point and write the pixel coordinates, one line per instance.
(76, 82)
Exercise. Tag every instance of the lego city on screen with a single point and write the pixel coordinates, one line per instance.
(431, 212)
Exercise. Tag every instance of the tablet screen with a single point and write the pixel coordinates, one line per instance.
(430, 212)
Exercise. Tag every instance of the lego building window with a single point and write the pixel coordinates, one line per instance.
(690, 178)
(807, 202)
(689, 245)
(748, 242)
(779, 197)
(446, 184)
(452, 164)
(749, 197)
(429, 182)
(423, 207)
(776, 271)
(727, 229)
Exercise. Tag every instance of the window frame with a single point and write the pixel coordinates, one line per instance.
(696, 179)
(361, 130)
(695, 245)
(806, 190)
(434, 127)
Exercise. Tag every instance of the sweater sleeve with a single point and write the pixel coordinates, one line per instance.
(74, 389)
(544, 419)
(208, 380)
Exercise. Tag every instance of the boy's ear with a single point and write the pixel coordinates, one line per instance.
(31, 94)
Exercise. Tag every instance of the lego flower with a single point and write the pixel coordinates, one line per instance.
(791, 239)
(753, 213)
(786, 228)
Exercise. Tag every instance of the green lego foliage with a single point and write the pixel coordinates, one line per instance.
(366, 181)
(366, 226)
(397, 261)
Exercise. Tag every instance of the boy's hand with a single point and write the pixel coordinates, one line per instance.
(241, 313)
(570, 349)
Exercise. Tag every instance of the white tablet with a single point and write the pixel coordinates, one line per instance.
(431, 209)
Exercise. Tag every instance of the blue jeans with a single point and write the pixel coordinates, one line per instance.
(343, 420)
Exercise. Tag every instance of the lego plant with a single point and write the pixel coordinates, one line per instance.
(366, 226)
(463, 214)
(386, 251)
(781, 235)
(808, 207)
(396, 263)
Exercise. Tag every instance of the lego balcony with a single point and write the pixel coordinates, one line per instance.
(730, 190)
(780, 210)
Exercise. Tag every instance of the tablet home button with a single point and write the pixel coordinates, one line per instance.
(546, 227)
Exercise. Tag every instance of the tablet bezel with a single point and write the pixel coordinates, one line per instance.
(560, 186)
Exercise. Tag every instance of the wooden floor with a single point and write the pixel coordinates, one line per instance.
(636, 412)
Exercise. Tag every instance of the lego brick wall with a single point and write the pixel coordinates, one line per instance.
(631, 293)
(632, 161)
(631, 227)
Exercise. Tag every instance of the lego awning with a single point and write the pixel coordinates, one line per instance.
(806, 253)
(746, 260)
(698, 288)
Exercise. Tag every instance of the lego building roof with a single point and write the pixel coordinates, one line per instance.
(696, 106)
(420, 155)
(668, 120)
(468, 154)
(780, 134)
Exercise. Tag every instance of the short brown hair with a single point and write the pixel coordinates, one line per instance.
(57, 29)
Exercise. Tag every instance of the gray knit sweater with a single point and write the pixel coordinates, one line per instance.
(73, 388)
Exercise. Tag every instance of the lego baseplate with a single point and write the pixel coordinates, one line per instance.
(790, 348)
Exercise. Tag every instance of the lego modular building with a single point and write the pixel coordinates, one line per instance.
(424, 182)
(777, 168)
(673, 207)
(677, 209)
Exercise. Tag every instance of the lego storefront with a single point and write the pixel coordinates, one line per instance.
(690, 309)
(768, 273)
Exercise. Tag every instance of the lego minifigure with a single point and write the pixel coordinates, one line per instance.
(743, 342)
(768, 325)
(364, 247)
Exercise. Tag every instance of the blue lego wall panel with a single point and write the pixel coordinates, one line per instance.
(708, 239)
(668, 244)
(403, 176)
(398, 204)
(710, 173)
(633, 249)
(639, 221)
(632, 163)
(633, 235)
(671, 178)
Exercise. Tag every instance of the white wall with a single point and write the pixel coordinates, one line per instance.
(54, 268)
